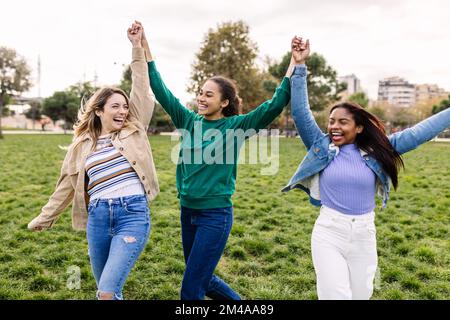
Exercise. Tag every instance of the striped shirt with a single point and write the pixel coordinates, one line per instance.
(110, 174)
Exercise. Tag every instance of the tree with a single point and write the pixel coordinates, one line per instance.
(359, 98)
(14, 77)
(229, 51)
(278, 71)
(83, 90)
(62, 105)
(160, 120)
(125, 82)
(323, 86)
(5, 110)
(379, 110)
(35, 112)
(444, 104)
(401, 117)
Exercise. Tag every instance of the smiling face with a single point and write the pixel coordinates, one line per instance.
(209, 100)
(114, 113)
(342, 127)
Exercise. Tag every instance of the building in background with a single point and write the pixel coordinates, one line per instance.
(353, 83)
(396, 91)
(429, 91)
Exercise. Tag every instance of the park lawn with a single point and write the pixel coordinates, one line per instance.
(268, 253)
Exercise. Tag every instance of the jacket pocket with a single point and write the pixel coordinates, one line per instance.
(73, 174)
(318, 150)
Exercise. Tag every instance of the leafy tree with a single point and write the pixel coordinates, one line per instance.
(160, 119)
(379, 110)
(5, 110)
(359, 98)
(323, 86)
(401, 117)
(229, 51)
(35, 112)
(125, 82)
(83, 90)
(62, 105)
(444, 104)
(14, 77)
(277, 71)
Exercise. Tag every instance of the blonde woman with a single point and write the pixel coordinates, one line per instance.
(109, 174)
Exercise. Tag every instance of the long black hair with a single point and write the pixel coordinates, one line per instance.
(373, 140)
(229, 92)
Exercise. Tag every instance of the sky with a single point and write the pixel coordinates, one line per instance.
(85, 40)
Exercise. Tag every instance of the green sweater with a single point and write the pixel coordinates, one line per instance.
(207, 166)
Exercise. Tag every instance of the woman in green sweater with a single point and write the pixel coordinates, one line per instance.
(206, 171)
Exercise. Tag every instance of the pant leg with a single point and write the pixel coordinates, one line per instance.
(217, 288)
(328, 247)
(98, 238)
(131, 231)
(363, 261)
(188, 231)
(220, 290)
(213, 227)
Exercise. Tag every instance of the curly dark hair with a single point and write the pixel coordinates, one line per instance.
(229, 92)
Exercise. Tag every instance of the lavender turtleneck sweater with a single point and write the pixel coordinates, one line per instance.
(347, 184)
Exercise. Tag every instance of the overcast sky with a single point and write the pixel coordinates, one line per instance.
(372, 39)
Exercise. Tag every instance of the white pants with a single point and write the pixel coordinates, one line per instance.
(344, 253)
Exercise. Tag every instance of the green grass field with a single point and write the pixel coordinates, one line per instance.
(268, 253)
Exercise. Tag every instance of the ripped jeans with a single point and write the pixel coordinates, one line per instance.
(117, 232)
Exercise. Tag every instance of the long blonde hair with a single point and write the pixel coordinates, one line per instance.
(88, 122)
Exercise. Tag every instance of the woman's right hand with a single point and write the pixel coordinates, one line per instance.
(37, 225)
(300, 50)
(134, 33)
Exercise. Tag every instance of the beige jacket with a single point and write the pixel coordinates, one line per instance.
(132, 142)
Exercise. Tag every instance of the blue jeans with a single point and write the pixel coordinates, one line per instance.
(204, 234)
(117, 231)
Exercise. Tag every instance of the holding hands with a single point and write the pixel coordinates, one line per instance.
(137, 27)
(135, 33)
(300, 50)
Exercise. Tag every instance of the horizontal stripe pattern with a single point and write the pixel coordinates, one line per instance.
(108, 171)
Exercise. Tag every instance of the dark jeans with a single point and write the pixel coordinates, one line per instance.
(204, 234)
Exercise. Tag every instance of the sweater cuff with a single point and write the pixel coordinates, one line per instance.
(137, 53)
(151, 65)
(285, 84)
(300, 69)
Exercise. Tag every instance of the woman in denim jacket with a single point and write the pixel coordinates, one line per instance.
(341, 172)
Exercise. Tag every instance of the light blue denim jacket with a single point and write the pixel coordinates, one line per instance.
(321, 150)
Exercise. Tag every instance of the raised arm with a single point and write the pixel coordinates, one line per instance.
(142, 101)
(265, 113)
(179, 114)
(303, 118)
(422, 132)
